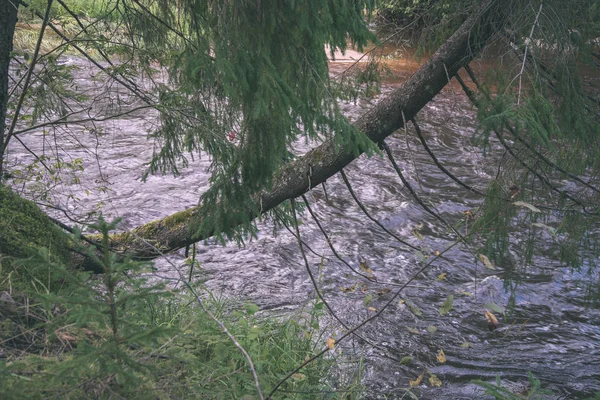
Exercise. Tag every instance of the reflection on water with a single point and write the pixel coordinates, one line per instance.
(550, 332)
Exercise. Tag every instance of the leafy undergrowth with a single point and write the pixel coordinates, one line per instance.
(117, 335)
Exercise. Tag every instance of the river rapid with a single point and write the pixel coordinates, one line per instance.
(551, 332)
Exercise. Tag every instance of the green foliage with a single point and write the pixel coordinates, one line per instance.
(534, 390)
(121, 335)
(250, 78)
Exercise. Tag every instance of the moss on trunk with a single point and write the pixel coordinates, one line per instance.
(24, 229)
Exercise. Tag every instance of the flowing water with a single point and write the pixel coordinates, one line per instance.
(551, 331)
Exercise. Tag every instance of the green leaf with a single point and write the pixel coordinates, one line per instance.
(252, 309)
(367, 300)
(406, 360)
(447, 306)
(495, 307)
(413, 308)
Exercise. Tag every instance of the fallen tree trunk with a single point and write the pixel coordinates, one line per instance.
(324, 161)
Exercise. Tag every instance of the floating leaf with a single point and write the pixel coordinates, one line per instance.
(417, 381)
(527, 205)
(372, 309)
(437, 253)
(406, 360)
(486, 261)
(441, 277)
(367, 300)
(466, 345)
(417, 232)
(491, 319)
(447, 306)
(365, 267)
(441, 357)
(432, 329)
(435, 381)
(470, 294)
(414, 331)
(495, 307)
(348, 288)
(413, 308)
(331, 343)
(383, 291)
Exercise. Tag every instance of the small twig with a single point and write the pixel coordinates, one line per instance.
(526, 50)
(364, 210)
(439, 165)
(334, 251)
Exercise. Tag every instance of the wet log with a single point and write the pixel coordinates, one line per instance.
(324, 161)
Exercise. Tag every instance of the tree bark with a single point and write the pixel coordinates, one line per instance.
(296, 178)
(8, 20)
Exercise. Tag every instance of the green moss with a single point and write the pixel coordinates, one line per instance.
(24, 229)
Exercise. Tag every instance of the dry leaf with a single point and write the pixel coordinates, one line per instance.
(331, 343)
(372, 309)
(486, 261)
(414, 331)
(383, 291)
(437, 253)
(441, 277)
(66, 337)
(441, 357)
(417, 381)
(491, 319)
(435, 381)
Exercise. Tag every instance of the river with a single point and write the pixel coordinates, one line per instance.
(551, 332)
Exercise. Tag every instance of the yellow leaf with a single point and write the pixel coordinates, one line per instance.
(486, 261)
(491, 319)
(431, 329)
(417, 381)
(435, 381)
(372, 309)
(348, 288)
(414, 331)
(365, 267)
(441, 277)
(417, 232)
(436, 253)
(331, 343)
(441, 357)
(466, 345)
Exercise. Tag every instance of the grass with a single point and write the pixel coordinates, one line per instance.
(117, 335)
